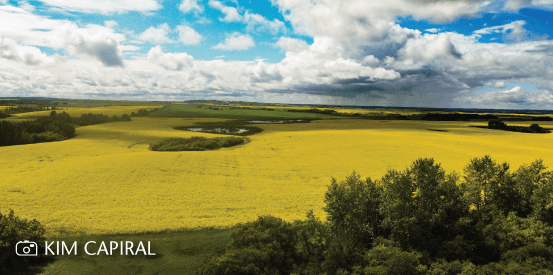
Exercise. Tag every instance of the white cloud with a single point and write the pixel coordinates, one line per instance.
(111, 23)
(514, 98)
(236, 41)
(254, 21)
(188, 36)
(421, 50)
(29, 55)
(433, 30)
(361, 21)
(170, 61)
(129, 48)
(4, 2)
(26, 5)
(104, 46)
(512, 31)
(105, 6)
(292, 44)
(231, 13)
(498, 84)
(515, 5)
(89, 41)
(156, 34)
(187, 6)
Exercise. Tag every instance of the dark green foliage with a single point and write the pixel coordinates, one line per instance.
(315, 110)
(496, 124)
(353, 208)
(87, 119)
(417, 221)
(455, 117)
(423, 208)
(387, 259)
(13, 230)
(4, 115)
(534, 128)
(542, 118)
(44, 129)
(312, 238)
(265, 246)
(195, 143)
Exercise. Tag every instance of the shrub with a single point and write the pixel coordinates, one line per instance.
(13, 230)
(496, 124)
(264, 246)
(195, 143)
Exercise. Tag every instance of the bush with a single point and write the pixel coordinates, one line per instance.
(13, 230)
(195, 143)
(264, 246)
(496, 124)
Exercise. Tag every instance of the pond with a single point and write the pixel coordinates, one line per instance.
(275, 121)
(219, 130)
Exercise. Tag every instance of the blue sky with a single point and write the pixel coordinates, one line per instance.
(496, 54)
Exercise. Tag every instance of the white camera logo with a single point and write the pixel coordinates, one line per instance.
(26, 248)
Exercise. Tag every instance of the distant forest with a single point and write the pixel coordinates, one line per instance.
(56, 127)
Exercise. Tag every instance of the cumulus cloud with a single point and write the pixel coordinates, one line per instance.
(29, 55)
(231, 13)
(236, 41)
(111, 23)
(95, 41)
(292, 44)
(188, 36)
(515, 5)
(187, 6)
(421, 50)
(513, 98)
(513, 31)
(256, 21)
(498, 84)
(104, 46)
(157, 34)
(360, 21)
(170, 61)
(105, 6)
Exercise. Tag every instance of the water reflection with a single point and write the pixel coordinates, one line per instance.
(220, 130)
(275, 121)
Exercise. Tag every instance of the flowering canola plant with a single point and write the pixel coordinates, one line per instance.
(105, 180)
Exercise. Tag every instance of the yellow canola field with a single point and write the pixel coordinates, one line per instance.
(106, 180)
(73, 111)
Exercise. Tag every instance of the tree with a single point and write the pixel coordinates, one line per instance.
(264, 246)
(13, 230)
(423, 208)
(496, 124)
(487, 183)
(352, 208)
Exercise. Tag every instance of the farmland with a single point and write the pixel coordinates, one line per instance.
(106, 181)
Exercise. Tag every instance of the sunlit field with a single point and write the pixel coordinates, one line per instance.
(75, 111)
(106, 180)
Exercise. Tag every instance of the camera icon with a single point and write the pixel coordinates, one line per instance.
(26, 248)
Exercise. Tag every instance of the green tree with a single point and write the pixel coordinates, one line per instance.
(13, 230)
(352, 208)
(423, 208)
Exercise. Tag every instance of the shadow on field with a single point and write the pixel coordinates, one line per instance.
(38, 266)
(177, 252)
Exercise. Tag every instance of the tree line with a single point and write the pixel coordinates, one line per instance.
(56, 127)
(500, 125)
(421, 220)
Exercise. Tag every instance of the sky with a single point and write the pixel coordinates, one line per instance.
(406, 53)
